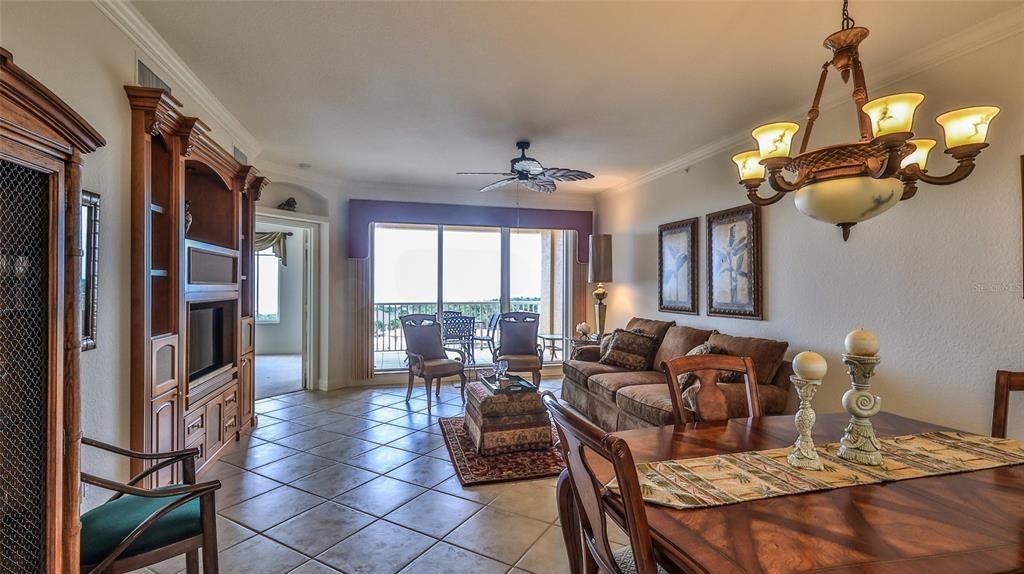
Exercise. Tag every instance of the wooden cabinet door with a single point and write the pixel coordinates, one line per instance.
(214, 425)
(246, 390)
(165, 416)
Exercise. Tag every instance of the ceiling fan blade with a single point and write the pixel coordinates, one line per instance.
(483, 173)
(562, 174)
(540, 185)
(497, 184)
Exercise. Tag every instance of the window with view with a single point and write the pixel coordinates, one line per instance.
(268, 281)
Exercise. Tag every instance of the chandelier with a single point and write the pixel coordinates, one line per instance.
(847, 183)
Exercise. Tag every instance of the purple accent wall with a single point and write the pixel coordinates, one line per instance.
(364, 212)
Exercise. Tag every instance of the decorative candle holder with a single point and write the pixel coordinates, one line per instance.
(859, 443)
(804, 455)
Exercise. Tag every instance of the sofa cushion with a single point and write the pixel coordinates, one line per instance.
(442, 367)
(773, 399)
(606, 385)
(766, 353)
(530, 362)
(632, 350)
(579, 371)
(678, 341)
(650, 326)
(651, 403)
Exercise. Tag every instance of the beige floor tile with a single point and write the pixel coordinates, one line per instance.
(294, 467)
(258, 455)
(445, 409)
(259, 555)
(446, 559)
(344, 448)
(355, 408)
(313, 567)
(483, 493)
(434, 513)
(381, 495)
(349, 425)
(243, 486)
(382, 433)
(334, 480)
(319, 419)
(415, 421)
(267, 405)
(308, 439)
(420, 442)
(385, 414)
(424, 471)
(529, 499)
(547, 555)
(498, 534)
(382, 459)
(384, 399)
(292, 412)
(271, 508)
(319, 528)
(278, 430)
(440, 453)
(219, 470)
(381, 548)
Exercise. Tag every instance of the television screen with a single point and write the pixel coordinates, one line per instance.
(205, 344)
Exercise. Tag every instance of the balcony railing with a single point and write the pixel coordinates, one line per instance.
(387, 328)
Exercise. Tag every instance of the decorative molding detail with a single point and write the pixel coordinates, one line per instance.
(980, 35)
(140, 31)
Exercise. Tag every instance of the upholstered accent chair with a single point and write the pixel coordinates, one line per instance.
(139, 526)
(518, 345)
(427, 356)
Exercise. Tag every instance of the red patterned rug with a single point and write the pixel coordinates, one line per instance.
(472, 468)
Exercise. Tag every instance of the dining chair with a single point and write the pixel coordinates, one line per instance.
(427, 356)
(704, 400)
(517, 344)
(1006, 382)
(138, 527)
(459, 329)
(583, 498)
(488, 339)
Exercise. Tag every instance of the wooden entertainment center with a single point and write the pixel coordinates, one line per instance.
(192, 301)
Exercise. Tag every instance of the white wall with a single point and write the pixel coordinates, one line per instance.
(938, 277)
(76, 52)
(285, 337)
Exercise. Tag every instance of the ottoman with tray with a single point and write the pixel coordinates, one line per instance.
(503, 420)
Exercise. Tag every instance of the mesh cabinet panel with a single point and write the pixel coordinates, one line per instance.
(24, 365)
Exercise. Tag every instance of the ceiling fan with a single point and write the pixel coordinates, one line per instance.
(531, 174)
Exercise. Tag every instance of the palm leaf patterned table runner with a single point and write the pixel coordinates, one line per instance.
(730, 478)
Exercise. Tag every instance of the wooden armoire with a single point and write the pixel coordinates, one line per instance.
(41, 145)
(192, 284)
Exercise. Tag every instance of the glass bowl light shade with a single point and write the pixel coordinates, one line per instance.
(775, 140)
(967, 125)
(920, 154)
(893, 114)
(848, 199)
(749, 165)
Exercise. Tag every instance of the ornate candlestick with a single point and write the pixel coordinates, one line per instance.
(859, 443)
(810, 368)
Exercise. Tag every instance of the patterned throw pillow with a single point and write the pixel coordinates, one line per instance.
(630, 350)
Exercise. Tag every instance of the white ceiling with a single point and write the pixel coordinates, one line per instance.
(413, 92)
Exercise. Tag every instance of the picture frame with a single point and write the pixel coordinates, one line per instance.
(678, 290)
(89, 273)
(734, 266)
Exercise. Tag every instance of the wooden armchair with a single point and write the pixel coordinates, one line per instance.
(138, 526)
(518, 343)
(427, 356)
(703, 400)
(1005, 383)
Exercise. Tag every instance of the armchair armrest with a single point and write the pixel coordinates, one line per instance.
(188, 452)
(415, 360)
(196, 489)
(186, 457)
(589, 353)
(462, 355)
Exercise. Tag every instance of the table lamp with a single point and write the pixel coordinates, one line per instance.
(600, 273)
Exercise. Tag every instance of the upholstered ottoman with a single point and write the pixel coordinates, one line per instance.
(501, 423)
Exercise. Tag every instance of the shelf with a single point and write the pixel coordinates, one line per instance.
(158, 273)
(156, 208)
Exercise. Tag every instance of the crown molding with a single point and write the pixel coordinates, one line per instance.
(980, 35)
(140, 31)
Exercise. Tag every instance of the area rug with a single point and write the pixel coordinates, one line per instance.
(472, 468)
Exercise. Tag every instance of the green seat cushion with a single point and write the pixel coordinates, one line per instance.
(104, 527)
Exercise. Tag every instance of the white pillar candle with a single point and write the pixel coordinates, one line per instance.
(862, 343)
(810, 366)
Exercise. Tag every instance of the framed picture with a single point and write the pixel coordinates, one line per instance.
(734, 263)
(677, 266)
(89, 277)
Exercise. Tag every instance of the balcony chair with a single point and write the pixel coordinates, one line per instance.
(518, 345)
(582, 498)
(427, 356)
(1005, 383)
(703, 400)
(138, 526)
(488, 339)
(458, 329)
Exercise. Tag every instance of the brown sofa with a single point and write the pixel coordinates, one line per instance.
(618, 399)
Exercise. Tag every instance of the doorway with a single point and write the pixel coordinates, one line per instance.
(282, 308)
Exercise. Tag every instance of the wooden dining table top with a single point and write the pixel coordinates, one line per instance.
(968, 522)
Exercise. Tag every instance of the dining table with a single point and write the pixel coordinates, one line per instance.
(969, 522)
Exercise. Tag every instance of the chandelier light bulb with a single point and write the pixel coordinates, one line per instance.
(775, 140)
(749, 165)
(920, 154)
(967, 125)
(893, 114)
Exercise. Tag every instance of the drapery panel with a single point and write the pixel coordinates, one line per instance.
(275, 241)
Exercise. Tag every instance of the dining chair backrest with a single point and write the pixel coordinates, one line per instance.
(1005, 383)
(446, 314)
(578, 437)
(459, 327)
(709, 403)
(423, 335)
(492, 325)
(518, 332)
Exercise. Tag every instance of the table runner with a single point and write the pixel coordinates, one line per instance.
(730, 478)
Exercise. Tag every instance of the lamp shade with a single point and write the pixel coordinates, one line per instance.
(749, 165)
(600, 258)
(967, 125)
(920, 154)
(893, 114)
(774, 140)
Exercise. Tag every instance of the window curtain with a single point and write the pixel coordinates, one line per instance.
(275, 241)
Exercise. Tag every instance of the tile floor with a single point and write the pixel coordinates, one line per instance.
(277, 374)
(358, 481)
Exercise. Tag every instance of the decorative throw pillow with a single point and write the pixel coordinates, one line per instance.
(704, 348)
(629, 349)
